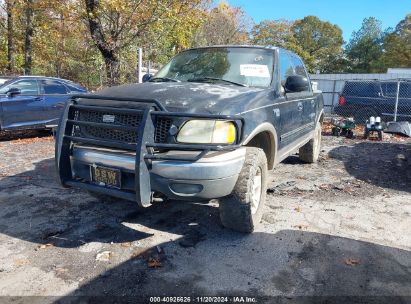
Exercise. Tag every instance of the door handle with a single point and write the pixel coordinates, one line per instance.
(300, 106)
(38, 98)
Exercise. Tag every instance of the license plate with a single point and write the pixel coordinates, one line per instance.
(106, 176)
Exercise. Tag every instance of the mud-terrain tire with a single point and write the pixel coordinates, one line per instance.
(310, 151)
(242, 209)
(104, 198)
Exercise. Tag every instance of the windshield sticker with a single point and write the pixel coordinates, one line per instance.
(254, 70)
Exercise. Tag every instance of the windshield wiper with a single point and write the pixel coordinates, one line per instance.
(204, 79)
(165, 79)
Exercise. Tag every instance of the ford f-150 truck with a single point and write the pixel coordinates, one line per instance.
(208, 125)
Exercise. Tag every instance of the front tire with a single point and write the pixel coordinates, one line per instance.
(242, 209)
(310, 152)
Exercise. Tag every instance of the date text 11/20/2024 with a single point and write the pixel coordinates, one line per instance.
(203, 299)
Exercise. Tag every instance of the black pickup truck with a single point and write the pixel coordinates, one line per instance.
(208, 125)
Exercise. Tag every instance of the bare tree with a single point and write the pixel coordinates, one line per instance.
(117, 24)
(225, 25)
(113, 29)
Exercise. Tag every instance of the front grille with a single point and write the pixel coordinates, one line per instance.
(126, 136)
(134, 120)
(163, 125)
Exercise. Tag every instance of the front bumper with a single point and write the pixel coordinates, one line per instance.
(187, 171)
(212, 176)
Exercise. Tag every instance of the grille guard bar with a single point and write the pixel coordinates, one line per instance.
(145, 144)
(238, 121)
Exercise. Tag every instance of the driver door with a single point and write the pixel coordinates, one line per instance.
(289, 107)
(24, 110)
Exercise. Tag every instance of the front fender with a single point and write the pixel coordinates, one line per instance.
(269, 129)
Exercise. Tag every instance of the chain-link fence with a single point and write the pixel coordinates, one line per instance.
(361, 99)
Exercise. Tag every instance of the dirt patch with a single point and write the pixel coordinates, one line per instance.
(338, 227)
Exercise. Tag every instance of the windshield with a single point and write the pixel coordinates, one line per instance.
(231, 66)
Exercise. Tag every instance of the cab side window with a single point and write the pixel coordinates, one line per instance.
(53, 87)
(27, 87)
(299, 67)
(286, 67)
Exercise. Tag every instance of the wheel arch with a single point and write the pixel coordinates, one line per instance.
(264, 136)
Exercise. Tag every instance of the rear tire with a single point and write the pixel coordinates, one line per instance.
(310, 152)
(242, 209)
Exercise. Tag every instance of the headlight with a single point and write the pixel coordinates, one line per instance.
(207, 132)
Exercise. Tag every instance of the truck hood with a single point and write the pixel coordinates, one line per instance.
(189, 97)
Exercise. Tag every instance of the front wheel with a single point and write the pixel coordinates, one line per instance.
(310, 152)
(242, 209)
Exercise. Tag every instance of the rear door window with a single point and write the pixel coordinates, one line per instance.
(53, 87)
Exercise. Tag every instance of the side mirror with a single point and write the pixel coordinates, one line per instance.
(147, 77)
(296, 83)
(13, 92)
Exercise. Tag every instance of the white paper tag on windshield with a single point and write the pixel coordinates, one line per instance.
(254, 70)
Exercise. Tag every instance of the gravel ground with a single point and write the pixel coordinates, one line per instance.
(337, 228)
